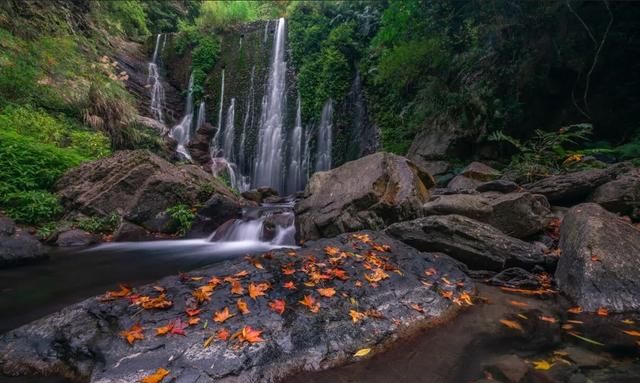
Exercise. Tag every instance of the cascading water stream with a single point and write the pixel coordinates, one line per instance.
(295, 178)
(247, 123)
(201, 115)
(155, 83)
(229, 136)
(268, 163)
(182, 132)
(325, 138)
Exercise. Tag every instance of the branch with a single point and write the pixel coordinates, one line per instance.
(586, 27)
(595, 58)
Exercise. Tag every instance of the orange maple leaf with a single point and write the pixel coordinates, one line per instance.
(327, 292)
(288, 270)
(603, 312)
(310, 303)
(214, 281)
(193, 321)
(147, 303)
(124, 291)
(164, 330)
(277, 305)
(221, 316)
(242, 306)
(248, 334)
(156, 377)
(356, 316)
(203, 293)
(133, 334)
(376, 276)
(257, 290)
(241, 274)
(192, 312)
(236, 287)
(289, 285)
(512, 324)
(417, 307)
(575, 310)
(223, 334)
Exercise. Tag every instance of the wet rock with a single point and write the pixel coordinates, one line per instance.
(17, 246)
(516, 277)
(139, 186)
(584, 358)
(75, 237)
(199, 144)
(216, 210)
(68, 342)
(129, 232)
(600, 259)
(518, 214)
(261, 194)
(368, 193)
(476, 244)
(508, 368)
(152, 124)
(473, 176)
(572, 188)
(500, 186)
(621, 195)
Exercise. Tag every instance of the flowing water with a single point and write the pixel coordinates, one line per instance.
(229, 135)
(268, 163)
(182, 132)
(155, 83)
(201, 115)
(295, 178)
(325, 137)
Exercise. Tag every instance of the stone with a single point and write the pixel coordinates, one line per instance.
(260, 194)
(460, 183)
(508, 368)
(215, 211)
(517, 277)
(67, 342)
(500, 186)
(584, 358)
(129, 232)
(476, 244)
(621, 195)
(138, 186)
(572, 188)
(75, 237)
(18, 246)
(473, 176)
(600, 260)
(369, 193)
(520, 215)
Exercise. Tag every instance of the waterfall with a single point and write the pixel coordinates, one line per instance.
(247, 122)
(201, 116)
(155, 83)
(268, 162)
(266, 30)
(325, 138)
(295, 177)
(229, 132)
(182, 132)
(306, 156)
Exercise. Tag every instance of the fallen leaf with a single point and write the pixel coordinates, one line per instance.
(548, 319)
(255, 262)
(196, 279)
(376, 276)
(258, 290)
(417, 307)
(628, 321)
(289, 285)
(603, 312)
(248, 334)
(512, 324)
(124, 291)
(277, 305)
(236, 287)
(518, 304)
(542, 365)
(575, 321)
(356, 316)
(463, 299)
(223, 334)
(362, 352)
(327, 292)
(203, 293)
(208, 341)
(338, 273)
(164, 330)
(221, 316)
(288, 270)
(192, 312)
(214, 281)
(147, 303)
(241, 274)
(632, 332)
(156, 377)
(310, 303)
(430, 271)
(178, 327)
(133, 334)
(193, 321)
(242, 306)
(575, 310)
(330, 250)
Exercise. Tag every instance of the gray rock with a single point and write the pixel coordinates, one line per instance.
(17, 246)
(508, 368)
(461, 183)
(474, 175)
(75, 237)
(368, 193)
(501, 186)
(476, 244)
(260, 194)
(584, 358)
(215, 211)
(520, 215)
(600, 260)
(569, 189)
(621, 195)
(139, 186)
(83, 341)
(129, 232)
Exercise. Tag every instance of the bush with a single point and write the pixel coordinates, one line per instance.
(183, 215)
(32, 207)
(106, 224)
(224, 13)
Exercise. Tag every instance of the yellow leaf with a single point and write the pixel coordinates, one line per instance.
(156, 377)
(542, 365)
(362, 352)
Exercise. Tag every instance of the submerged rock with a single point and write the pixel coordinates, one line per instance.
(139, 186)
(368, 193)
(17, 246)
(600, 260)
(517, 214)
(571, 188)
(83, 341)
(476, 244)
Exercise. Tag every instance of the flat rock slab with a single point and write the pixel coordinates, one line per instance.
(387, 288)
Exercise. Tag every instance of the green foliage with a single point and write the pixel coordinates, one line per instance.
(31, 207)
(124, 17)
(163, 16)
(106, 224)
(221, 14)
(183, 215)
(545, 153)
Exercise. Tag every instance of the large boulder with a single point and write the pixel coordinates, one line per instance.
(140, 187)
(600, 260)
(372, 307)
(476, 244)
(369, 193)
(17, 246)
(472, 176)
(572, 188)
(621, 195)
(519, 215)
(75, 238)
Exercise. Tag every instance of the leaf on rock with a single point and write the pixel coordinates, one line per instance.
(628, 321)
(241, 274)
(376, 276)
(327, 292)
(430, 271)
(548, 319)
(248, 334)
(193, 321)
(124, 291)
(356, 316)
(135, 333)
(236, 287)
(221, 316)
(156, 377)
(255, 262)
(289, 285)
(203, 293)
(257, 290)
(310, 303)
(242, 306)
(178, 327)
(277, 305)
(518, 304)
(632, 332)
(417, 307)
(288, 270)
(512, 324)
(147, 303)
(192, 312)
(331, 251)
(542, 365)
(223, 334)
(362, 352)
(364, 238)
(575, 310)
(603, 312)
(164, 330)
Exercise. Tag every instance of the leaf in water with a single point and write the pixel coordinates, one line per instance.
(362, 352)
(133, 334)
(156, 377)
(628, 321)
(632, 332)
(327, 292)
(542, 365)
(221, 316)
(512, 324)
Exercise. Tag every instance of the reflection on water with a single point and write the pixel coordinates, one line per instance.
(31, 292)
